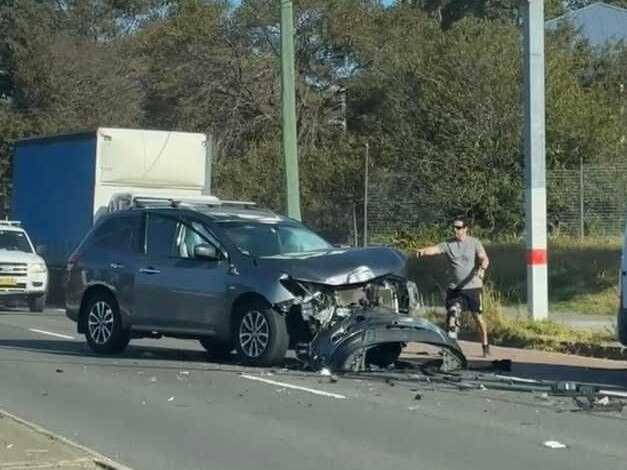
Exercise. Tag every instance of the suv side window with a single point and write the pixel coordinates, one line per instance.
(118, 233)
(161, 236)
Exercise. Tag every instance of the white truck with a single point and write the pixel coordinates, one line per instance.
(23, 273)
(62, 183)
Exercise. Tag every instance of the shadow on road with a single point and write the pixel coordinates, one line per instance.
(133, 356)
(141, 355)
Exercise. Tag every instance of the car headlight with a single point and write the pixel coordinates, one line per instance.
(38, 268)
(356, 276)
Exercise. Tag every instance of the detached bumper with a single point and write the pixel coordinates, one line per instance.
(339, 347)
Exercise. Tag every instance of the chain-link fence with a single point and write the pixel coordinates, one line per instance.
(589, 200)
(586, 201)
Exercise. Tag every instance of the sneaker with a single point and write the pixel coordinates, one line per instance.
(486, 350)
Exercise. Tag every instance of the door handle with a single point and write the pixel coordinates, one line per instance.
(116, 266)
(149, 271)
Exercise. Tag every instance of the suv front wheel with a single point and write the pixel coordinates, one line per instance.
(103, 325)
(260, 334)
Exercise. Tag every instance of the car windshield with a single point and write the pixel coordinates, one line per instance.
(263, 239)
(13, 240)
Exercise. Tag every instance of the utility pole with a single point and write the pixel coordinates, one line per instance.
(290, 150)
(535, 159)
(366, 183)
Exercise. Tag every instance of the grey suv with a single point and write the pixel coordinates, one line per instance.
(233, 277)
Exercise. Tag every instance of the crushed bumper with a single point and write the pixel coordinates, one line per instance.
(343, 347)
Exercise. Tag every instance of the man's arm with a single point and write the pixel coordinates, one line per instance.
(429, 251)
(484, 261)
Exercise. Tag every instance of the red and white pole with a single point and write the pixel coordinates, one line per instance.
(535, 166)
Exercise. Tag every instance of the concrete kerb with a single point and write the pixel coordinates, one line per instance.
(600, 351)
(98, 459)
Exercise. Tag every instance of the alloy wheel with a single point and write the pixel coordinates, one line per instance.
(254, 333)
(100, 322)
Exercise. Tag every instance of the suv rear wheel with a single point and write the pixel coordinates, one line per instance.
(103, 325)
(260, 334)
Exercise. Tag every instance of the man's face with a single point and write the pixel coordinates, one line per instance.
(460, 230)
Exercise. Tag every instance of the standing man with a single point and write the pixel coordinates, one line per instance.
(468, 262)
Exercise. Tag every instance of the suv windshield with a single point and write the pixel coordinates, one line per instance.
(263, 239)
(13, 240)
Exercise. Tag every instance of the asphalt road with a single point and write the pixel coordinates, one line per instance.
(161, 405)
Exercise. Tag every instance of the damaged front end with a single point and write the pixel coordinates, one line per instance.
(362, 322)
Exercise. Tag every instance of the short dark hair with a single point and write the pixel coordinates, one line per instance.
(460, 222)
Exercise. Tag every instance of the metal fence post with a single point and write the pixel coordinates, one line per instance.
(581, 203)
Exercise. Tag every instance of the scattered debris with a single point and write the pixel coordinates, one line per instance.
(418, 396)
(325, 372)
(590, 403)
(572, 389)
(171, 399)
(554, 445)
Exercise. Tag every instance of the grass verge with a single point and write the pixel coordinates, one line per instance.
(520, 332)
(583, 275)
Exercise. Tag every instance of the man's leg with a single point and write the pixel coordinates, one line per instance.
(481, 328)
(453, 304)
(475, 305)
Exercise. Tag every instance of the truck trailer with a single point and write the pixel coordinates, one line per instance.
(63, 183)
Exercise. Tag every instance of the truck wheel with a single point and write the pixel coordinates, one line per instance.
(215, 348)
(37, 303)
(103, 325)
(260, 334)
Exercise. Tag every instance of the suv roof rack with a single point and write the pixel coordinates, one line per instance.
(11, 223)
(137, 201)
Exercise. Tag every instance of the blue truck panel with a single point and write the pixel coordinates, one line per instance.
(53, 191)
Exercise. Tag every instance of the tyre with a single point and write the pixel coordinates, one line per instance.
(103, 325)
(215, 348)
(260, 334)
(37, 303)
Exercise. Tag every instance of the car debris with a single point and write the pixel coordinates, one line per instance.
(374, 335)
(554, 445)
(605, 403)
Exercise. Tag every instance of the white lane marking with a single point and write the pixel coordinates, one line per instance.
(62, 310)
(295, 387)
(49, 333)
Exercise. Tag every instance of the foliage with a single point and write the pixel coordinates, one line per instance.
(433, 87)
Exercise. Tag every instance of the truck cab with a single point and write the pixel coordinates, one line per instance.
(23, 272)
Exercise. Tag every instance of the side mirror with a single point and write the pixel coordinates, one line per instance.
(207, 252)
(40, 250)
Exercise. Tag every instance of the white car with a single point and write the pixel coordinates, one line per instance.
(23, 273)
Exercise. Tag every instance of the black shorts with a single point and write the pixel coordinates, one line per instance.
(469, 299)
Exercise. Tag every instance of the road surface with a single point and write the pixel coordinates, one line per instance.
(162, 405)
